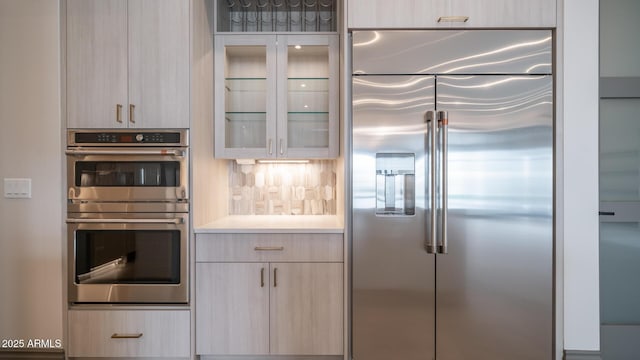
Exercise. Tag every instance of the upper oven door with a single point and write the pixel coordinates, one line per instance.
(127, 174)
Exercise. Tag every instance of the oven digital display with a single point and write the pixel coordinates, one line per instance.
(87, 138)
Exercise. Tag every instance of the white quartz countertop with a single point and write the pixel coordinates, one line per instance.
(274, 224)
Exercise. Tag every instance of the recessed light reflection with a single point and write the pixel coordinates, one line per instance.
(376, 37)
(489, 53)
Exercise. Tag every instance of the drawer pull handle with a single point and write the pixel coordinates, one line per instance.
(268, 248)
(126, 336)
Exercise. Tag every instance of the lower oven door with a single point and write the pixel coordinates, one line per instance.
(128, 258)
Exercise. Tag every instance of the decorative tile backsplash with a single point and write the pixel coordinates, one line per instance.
(283, 189)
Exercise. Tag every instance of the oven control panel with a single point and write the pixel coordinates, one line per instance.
(126, 138)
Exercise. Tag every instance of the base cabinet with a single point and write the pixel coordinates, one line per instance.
(281, 304)
(129, 333)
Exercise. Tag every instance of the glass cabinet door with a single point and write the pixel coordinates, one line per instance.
(307, 96)
(279, 97)
(245, 100)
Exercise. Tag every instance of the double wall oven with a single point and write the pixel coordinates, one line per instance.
(128, 216)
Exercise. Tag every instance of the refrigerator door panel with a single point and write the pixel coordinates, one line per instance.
(452, 52)
(494, 287)
(393, 276)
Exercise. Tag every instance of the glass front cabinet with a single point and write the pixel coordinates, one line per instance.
(279, 98)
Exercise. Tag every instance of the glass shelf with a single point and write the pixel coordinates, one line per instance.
(308, 95)
(245, 95)
(246, 84)
(308, 84)
(245, 116)
(318, 116)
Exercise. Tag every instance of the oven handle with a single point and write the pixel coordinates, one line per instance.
(171, 152)
(125, 221)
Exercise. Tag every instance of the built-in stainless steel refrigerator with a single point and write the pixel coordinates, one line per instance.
(452, 185)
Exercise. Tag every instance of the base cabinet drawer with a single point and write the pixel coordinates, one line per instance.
(129, 333)
(269, 247)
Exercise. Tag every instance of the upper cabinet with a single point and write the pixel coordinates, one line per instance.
(363, 14)
(127, 63)
(276, 96)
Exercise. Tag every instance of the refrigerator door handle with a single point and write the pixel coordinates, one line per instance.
(443, 124)
(430, 139)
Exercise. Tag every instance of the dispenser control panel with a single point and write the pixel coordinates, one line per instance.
(395, 184)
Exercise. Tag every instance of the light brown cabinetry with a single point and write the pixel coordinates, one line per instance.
(127, 63)
(269, 294)
(405, 14)
(129, 333)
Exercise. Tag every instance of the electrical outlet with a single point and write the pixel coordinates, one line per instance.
(17, 188)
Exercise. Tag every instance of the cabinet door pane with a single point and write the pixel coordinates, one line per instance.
(232, 303)
(307, 96)
(619, 269)
(159, 63)
(96, 63)
(619, 47)
(619, 150)
(246, 96)
(306, 308)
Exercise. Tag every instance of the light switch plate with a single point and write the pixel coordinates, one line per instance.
(17, 188)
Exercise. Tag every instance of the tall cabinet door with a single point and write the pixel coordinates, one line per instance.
(494, 297)
(233, 308)
(96, 63)
(158, 63)
(306, 308)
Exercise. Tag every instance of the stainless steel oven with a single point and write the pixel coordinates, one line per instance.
(128, 216)
(128, 257)
(106, 169)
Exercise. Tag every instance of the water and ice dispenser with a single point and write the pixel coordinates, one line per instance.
(395, 184)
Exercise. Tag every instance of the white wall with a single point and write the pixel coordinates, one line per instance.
(30, 147)
(580, 168)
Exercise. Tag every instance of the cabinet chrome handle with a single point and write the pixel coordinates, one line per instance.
(262, 277)
(119, 113)
(275, 277)
(281, 146)
(443, 123)
(431, 191)
(270, 146)
(126, 336)
(132, 109)
(268, 248)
